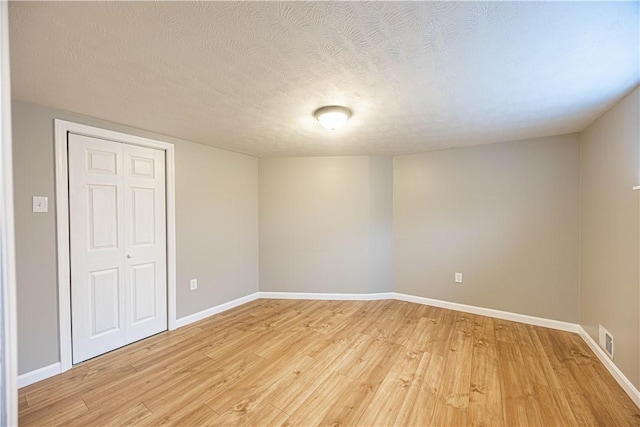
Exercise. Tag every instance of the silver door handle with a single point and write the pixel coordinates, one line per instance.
(129, 256)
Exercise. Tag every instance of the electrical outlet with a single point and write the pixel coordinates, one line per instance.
(193, 284)
(458, 277)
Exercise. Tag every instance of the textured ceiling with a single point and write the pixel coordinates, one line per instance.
(247, 76)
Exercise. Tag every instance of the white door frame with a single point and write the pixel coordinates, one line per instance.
(9, 333)
(62, 128)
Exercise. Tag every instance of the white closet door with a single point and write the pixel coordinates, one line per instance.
(96, 182)
(118, 249)
(145, 242)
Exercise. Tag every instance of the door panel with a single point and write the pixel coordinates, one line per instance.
(143, 280)
(118, 244)
(103, 216)
(101, 162)
(145, 245)
(105, 306)
(143, 204)
(142, 167)
(96, 197)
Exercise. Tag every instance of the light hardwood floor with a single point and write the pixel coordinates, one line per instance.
(376, 363)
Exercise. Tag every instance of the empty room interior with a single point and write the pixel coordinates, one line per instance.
(325, 213)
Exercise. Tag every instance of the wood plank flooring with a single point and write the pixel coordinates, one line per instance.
(339, 363)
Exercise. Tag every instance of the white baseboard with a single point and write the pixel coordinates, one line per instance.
(522, 318)
(489, 312)
(39, 374)
(321, 296)
(624, 382)
(183, 321)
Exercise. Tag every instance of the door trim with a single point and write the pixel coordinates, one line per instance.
(62, 128)
(8, 307)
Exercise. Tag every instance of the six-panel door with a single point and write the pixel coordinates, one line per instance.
(118, 244)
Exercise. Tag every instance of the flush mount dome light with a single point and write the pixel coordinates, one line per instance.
(332, 117)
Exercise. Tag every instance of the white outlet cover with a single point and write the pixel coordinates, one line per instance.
(193, 284)
(40, 204)
(458, 277)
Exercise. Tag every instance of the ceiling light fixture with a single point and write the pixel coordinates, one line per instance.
(332, 117)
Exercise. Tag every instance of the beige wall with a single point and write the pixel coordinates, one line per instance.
(216, 227)
(610, 218)
(325, 224)
(505, 215)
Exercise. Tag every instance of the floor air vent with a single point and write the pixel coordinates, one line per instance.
(606, 341)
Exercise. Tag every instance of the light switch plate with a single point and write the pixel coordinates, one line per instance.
(40, 204)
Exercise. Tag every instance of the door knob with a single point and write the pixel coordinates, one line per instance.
(129, 256)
